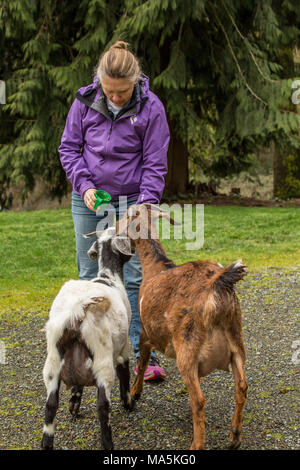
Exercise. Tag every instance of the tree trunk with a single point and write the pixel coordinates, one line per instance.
(279, 168)
(178, 172)
(279, 172)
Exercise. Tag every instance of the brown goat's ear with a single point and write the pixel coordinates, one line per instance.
(123, 245)
(93, 251)
(134, 210)
(122, 225)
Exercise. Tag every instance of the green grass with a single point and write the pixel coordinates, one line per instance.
(262, 237)
(37, 249)
(37, 252)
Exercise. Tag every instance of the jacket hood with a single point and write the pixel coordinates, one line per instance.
(143, 81)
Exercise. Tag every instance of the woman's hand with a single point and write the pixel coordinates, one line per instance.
(90, 199)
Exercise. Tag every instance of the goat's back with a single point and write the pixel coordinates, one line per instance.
(181, 281)
(188, 288)
(85, 317)
(76, 297)
(194, 306)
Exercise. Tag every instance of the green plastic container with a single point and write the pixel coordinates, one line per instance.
(102, 198)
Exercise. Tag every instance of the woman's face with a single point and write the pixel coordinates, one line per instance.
(117, 90)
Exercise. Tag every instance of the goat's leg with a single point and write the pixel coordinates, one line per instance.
(104, 411)
(191, 380)
(145, 353)
(50, 413)
(240, 386)
(104, 373)
(75, 400)
(51, 374)
(123, 374)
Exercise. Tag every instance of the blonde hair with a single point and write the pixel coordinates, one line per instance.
(119, 62)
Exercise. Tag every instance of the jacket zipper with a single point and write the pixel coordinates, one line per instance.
(111, 126)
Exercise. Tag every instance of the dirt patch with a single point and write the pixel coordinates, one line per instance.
(162, 419)
(39, 199)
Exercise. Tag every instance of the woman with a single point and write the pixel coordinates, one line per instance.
(115, 139)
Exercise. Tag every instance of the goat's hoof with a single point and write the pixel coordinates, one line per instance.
(130, 406)
(235, 439)
(74, 409)
(47, 442)
(135, 395)
(235, 444)
(75, 400)
(108, 445)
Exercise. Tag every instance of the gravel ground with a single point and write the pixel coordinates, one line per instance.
(162, 419)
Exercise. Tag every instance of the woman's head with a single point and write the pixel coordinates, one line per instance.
(118, 71)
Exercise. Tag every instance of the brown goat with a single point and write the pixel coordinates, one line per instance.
(191, 313)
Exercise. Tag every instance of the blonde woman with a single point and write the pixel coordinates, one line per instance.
(116, 139)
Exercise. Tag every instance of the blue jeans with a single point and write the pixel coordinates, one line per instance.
(86, 221)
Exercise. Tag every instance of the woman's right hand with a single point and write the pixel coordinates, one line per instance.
(90, 199)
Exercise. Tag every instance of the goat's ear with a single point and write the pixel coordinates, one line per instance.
(93, 251)
(123, 244)
(122, 225)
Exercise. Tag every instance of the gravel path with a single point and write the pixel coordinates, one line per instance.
(162, 420)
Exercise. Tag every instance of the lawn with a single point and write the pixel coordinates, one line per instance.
(37, 249)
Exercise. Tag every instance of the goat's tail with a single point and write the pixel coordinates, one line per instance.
(220, 288)
(96, 305)
(229, 275)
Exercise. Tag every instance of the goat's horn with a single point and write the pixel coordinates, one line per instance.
(153, 206)
(170, 219)
(92, 234)
(162, 213)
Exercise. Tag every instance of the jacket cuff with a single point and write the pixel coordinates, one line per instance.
(144, 197)
(84, 188)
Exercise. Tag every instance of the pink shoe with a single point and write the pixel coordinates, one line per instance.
(153, 371)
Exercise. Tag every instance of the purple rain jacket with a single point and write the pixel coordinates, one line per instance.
(123, 156)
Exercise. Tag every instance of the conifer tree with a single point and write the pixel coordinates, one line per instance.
(224, 70)
(51, 48)
(224, 65)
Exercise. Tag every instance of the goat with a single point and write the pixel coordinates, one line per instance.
(87, 337)
(189, 312)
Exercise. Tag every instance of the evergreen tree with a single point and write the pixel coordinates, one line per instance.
(51, 49)
(224, 70)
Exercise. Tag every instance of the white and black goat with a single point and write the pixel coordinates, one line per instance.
(87, 337)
